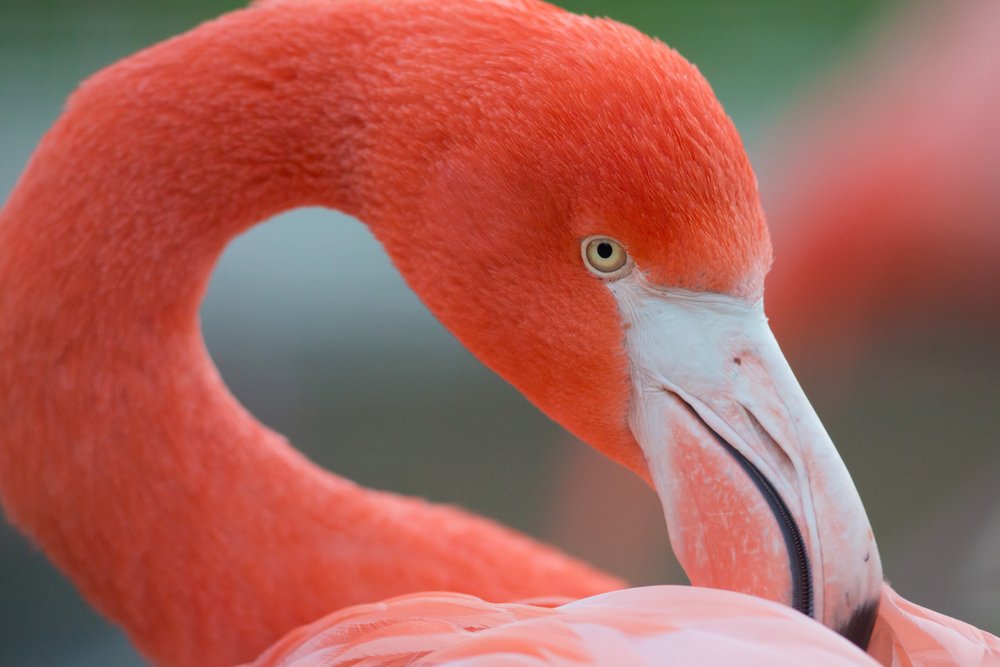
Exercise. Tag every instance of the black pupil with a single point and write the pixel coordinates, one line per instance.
(604, 249)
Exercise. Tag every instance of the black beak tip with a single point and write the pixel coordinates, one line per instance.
(859, 627)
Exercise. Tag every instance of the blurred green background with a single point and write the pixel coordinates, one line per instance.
(318, 336)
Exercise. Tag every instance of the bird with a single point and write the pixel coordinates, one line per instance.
(564, 194)
(881, 201)
(653, 625)
(870, 155)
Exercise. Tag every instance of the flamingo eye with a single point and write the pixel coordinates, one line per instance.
(605, 257)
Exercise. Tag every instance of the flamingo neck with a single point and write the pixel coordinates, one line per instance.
(121, 451)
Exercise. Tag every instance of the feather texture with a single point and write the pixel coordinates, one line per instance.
(640, 627)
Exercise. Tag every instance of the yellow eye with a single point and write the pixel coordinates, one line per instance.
(605, 257)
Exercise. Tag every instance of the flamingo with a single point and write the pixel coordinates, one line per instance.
(874, 157)
(882, 203)
(569, 199)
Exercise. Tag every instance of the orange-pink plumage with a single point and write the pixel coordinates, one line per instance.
(566, 196)
(642, 627)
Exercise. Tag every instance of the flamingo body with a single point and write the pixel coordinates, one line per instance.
(641, 627)
(908, 635)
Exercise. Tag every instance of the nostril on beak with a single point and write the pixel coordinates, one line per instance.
(780, 458)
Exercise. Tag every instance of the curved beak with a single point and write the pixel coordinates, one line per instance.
(756, 497)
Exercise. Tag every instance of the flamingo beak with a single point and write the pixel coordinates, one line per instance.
(756, 497)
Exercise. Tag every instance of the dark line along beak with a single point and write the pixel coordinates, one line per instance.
(756, 497)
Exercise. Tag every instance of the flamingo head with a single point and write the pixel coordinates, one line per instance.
(589, 226)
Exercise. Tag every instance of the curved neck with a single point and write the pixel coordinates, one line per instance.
(121, 452)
